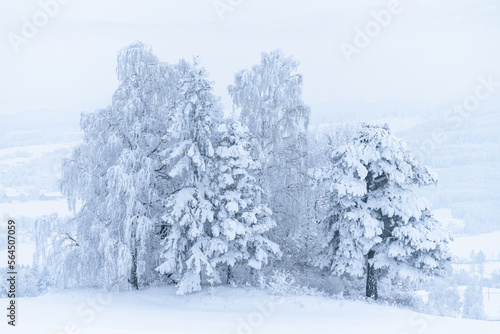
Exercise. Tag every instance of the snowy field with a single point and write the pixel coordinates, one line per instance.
(22, 154)
(488, 243)
(238, 310)
(235, 310)
(223, 310)
(34, 209)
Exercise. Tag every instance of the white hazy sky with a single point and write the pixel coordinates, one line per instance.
(431, 53)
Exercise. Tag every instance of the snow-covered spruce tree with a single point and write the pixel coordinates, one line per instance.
(376, 221)
(270, 103)
(473, 306)
(113, 175)
(321, 143)
(189, 163)
(242, 218)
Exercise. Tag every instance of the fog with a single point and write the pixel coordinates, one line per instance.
(429, 55)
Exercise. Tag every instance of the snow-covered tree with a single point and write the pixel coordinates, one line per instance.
(473, 307)
(147, 187)
(270, 103)
(242, 218)
(376, 222)
(112, 179)
(322, 141)
(444, 300)
(189, 163)
(57, 252)
(480, 259)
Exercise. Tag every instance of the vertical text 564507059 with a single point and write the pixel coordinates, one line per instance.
(11, 273)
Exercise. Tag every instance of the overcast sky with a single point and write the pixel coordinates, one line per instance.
(431, 53)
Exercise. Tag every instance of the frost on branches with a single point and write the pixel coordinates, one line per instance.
(160, 192)
(57, 251)
(376, 222)
(214, 214)
(242, 217)
(189, 164)
(165, 190)
(111, 178)
(270, 103)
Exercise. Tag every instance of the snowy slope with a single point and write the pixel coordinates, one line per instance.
(466, 160)
(223, 310)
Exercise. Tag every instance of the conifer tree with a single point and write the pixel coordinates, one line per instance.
(189, 163)
(242, 218)
(377, 223)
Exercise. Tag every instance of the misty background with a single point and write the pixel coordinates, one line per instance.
(427, 60)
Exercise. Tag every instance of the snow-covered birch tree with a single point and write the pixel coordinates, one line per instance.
(268, 97)
(147, 186)
(112, 174)
(376, 222)
(57, 251)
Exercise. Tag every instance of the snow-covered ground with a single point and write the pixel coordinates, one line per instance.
(222, 310)
(488, 243)
(22, 154)
(34, 209)
(491, 299)
(225, 310)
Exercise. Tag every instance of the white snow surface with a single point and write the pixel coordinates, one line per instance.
(219, 311)
(488, 243)
(31, 151)
(34, 209)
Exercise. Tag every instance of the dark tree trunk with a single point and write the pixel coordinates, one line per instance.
(133, 272)
(229, 275)
(371, 278)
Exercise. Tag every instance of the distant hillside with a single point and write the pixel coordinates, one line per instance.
(466, 160)
(38, 127)
(32, 147)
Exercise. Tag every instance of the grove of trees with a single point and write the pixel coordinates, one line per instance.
(167, 190)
